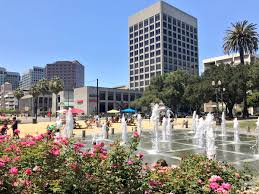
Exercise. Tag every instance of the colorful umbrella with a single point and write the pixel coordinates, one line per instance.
(129, 110)
(113, 111)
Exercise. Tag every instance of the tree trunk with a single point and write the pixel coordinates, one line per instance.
(230, 110)
(56, 105)
(245, 108)
(36, 109)
(241, 53)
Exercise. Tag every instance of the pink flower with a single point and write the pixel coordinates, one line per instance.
(130, 162)
(226, 186)
(17, 131)
(2, 136)
(222, 191)
(154, 183)
(28, 171)
(214, 185)
(135, 134)
(16, 159)
(13, 170)
(140, 155)
(55, 151)
(200, 181)
(2, 164)
(215, 178)
(30, 143)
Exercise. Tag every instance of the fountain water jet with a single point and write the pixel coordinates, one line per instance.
(194, 125)
(104, 131)
(236, 130)
(223, 124)
(210, 139)
(124, 130)
(68, 130)
(155, 120)
(164, 125)
(139, 124)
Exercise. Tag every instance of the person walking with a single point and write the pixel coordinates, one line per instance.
(15, 128)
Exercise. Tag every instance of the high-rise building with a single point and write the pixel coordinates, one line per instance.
(13, 78)
(71, 72)
(31, 77)
(7, 99)
(10, 77)
(162, 39)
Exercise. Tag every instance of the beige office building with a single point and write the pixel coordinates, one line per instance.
(162, 39)
(85, 98)
(228, 59)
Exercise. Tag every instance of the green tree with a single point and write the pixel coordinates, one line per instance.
(231, 79)
(168, 88)
(56, 85)
(18, 93)
(35, 92)
(242, 38)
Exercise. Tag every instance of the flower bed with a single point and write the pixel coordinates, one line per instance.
(41, 165)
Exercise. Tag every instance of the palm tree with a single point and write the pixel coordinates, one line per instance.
(56, 85)
(242, 38)
(18, 93)
(43, 86)
(35, 92)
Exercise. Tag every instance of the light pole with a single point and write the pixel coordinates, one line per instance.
(217, 88)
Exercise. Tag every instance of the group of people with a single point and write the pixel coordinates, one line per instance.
(14, 126)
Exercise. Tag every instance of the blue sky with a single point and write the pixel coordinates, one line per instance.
(37, 32)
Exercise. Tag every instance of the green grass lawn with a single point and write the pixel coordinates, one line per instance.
(243, 124)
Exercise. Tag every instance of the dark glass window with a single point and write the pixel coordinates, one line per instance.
(151, 20)
(110, 95)
(102, 96)
(157, 17)
(125, 97)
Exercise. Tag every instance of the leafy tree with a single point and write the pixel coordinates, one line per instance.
(56, 85)
(253, 99)
(168, 88)
(231, 79)
(242, 38)
(35, 92)
(18, 93)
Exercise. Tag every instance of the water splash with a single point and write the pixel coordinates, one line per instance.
(68, 130)
(194, 125)
(155, 120)
(223, 124)
(236, 131)
(124, 130)
(164, 125)
(139, 124)
(210, 139)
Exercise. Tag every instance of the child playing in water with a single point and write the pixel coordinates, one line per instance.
(4, 129)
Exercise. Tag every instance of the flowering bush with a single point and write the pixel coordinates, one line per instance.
(37, 164)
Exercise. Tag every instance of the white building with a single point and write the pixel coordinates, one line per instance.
(85, 98)
(7, 99)
(228, 59)
(31, 77)
(162, 39)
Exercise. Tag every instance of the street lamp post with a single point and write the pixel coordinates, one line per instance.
(217, 88)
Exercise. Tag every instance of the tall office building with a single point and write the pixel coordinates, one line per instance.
(11, 77)
(162, 39)
(71, 72)
(31, 77)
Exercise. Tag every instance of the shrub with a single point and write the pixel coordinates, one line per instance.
(37, 164)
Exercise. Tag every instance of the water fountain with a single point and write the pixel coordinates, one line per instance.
(210, 139)
(200, 133)
(164, 125)
(104, 131)
(194, 126)
(139, 124)
(236, 130)
(58, 126)
(124, 130)
(155, 120)
(223, 124)
(68, 130)
(256, 146)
